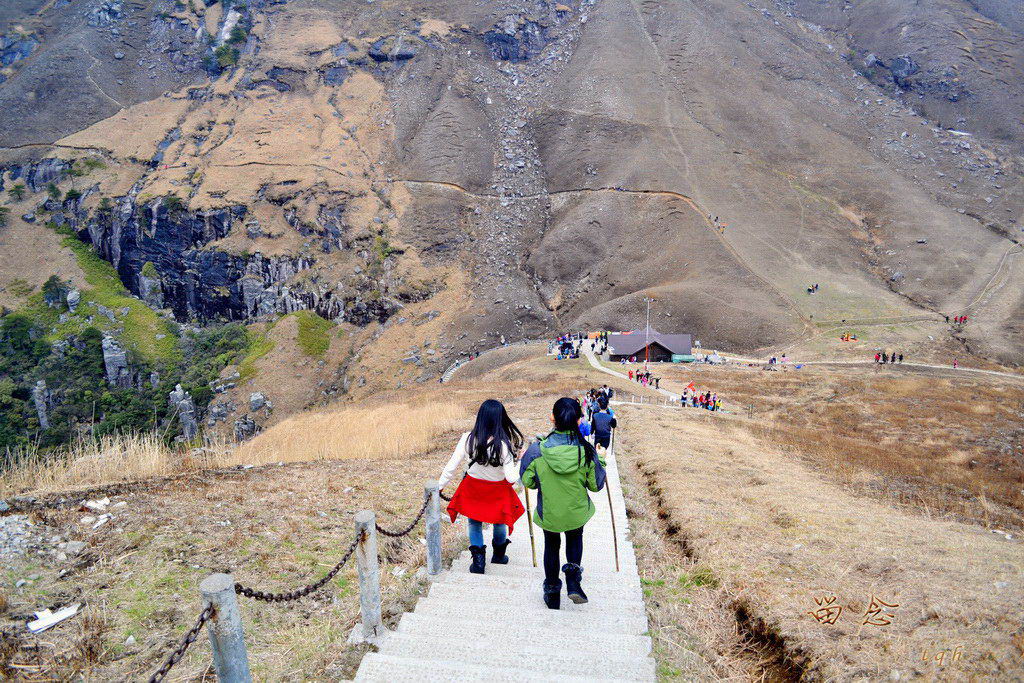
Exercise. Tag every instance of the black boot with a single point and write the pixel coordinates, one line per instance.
(553, 593)
(479, 559)
(573, 575)
(499, 556)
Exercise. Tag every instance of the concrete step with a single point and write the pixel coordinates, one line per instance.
(629, 600)
(536, 613)
(596, 566)
(551, 658)
(613, 582)
(517, 634)
(495, 626)
(593, 571)
(388, 668)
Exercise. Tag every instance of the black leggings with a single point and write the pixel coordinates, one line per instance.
(553, 547)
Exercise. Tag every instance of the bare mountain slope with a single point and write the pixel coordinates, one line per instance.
(449, 174)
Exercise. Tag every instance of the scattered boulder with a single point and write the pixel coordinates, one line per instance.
(41, 399)
(902, 68)
(516, 39)
(182, 404)
(395, 48)
(74, 297)
(257, 401)
(104, 14)
(115, 360)
(245, 428)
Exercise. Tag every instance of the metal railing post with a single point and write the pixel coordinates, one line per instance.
(371, 628)
(433, 527)
(230, 659)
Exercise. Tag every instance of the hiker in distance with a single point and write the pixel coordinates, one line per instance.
(563, 468)
(488, 457)
(602, 423)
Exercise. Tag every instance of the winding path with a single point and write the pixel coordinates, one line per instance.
(588, 351)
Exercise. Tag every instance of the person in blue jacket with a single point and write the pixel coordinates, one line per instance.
(602, 423)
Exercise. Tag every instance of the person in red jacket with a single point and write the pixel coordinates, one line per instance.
(488, 455)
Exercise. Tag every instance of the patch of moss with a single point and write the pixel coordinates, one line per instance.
(699, 577)
(142, 325)
(260, 346)
(19, 287)
(149, 270)
(314, 333)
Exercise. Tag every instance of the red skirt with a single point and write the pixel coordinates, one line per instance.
(492, 502)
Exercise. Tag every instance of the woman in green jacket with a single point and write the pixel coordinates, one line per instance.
(563, 468)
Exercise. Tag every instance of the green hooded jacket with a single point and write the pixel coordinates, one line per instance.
(562, 474)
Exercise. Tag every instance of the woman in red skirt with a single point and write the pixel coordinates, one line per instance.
(489, 457)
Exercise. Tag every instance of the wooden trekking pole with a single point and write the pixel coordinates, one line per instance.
(529, 525)
(611, 509)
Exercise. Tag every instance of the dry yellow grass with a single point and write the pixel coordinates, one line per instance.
(384, 431)
(91, 463)
(778, 536)
(951, 441)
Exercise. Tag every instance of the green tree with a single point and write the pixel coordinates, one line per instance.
(17, 192)
(53, 191)
(238, 35)
(226, 56)
(13, 417)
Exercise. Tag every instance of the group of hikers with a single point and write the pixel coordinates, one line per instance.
(566, 346)
(886, 357)
(706, 400)
(563, 467)
(645, 378)
(590, 402)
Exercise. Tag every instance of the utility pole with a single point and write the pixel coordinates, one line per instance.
(647, 334)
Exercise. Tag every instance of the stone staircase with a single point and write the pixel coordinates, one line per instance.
(495, 627)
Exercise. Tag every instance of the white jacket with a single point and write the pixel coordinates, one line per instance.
(508, 470)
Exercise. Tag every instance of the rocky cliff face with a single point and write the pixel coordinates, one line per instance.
(161, 252)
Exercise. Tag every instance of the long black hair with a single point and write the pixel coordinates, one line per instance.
(567, 416)
(493, 432)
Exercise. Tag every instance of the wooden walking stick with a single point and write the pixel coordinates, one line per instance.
(529, 525)
(611, 509)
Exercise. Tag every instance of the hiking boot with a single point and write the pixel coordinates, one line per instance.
(573, 576)
(479, 559)
(499, 556)
(553, 593)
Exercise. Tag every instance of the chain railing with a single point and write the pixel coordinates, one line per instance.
(222, 618)
(183, 646)
(306, 590)
(410, 527)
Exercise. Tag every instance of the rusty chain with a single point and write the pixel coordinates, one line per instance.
(300, 592)
(445, 498)
(183, 647)
(412, 525)
(248, 592)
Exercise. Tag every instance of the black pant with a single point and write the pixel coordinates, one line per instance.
(553, 547)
